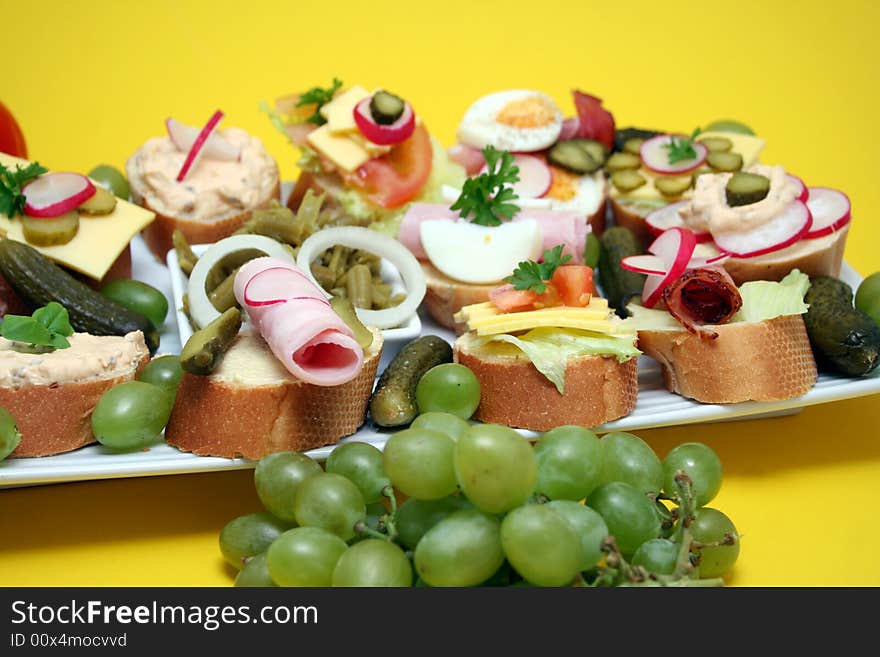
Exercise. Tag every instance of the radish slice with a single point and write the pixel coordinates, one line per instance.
(54, 194)
(655, 155)
(262, 289)
(384, 135)
(570, 128)
(468, 157)
(216, 148)
(674, 248)
(535, 177)
(667, 217)
(785, 229)
(831, 211)
(644, 264)
(198, 145)
(803, 193)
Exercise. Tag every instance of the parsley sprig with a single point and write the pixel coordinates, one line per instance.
(681, 148)
(487, 197)
(12, 201)
(49, 326)
(531, 275)
(320, 97)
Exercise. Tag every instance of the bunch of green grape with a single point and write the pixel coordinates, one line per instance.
(451, 503)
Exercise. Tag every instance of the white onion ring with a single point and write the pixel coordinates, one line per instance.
(201, 309)
(386, 247)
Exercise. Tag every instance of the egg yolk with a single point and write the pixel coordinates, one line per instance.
(528, 112)
(563, 185)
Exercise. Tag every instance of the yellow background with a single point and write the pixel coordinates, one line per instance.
(90, 81)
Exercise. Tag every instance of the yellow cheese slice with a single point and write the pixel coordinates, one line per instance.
(339, 112)
(342, 151)
(486, 320)
(374, 150)
(98, 243)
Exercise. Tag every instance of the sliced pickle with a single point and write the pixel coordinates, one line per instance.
(623, 162)
(571, 157)
(725, 161)
(596, 150)
(627, 180)
(633, 146)
(716, 144)
(386, 108)
(746, 188)
(205, 348)
(185, 256)
(222, 297)
(673, 185)
(50, 231)
(344, 308)
(102, 202)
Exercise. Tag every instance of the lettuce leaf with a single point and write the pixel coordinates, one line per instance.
(550, 349)
(763, 300)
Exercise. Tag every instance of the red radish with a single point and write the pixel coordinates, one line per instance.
(266, 288)
(831, 211)
(655, 155)
(468, 157)
(53, 194)
(667, 217)
(216, 148)
(384, 135)
(570, 128)
(675, 248)
(644, 264)
(784, 230)
(198, 145)
(594, 121)
(803, 193)
(535, 177)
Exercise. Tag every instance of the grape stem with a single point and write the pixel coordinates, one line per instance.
(386, 522)
(362, 528)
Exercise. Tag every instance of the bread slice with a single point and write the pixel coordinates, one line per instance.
(54, 411)
(760, 361)
(631, 216)
(445, 296)
(252, 406)
(598, 389)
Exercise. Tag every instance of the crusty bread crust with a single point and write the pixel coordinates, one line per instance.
(217, 417)
(763, 361)
(444, 297)
(598, 389)
(628, 218)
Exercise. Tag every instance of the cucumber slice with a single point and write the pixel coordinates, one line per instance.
(623, 162)
(102, 202)
(722, 161)
(633, 146)
(50, 232)
(746, 188)
(716, 144)
(627, 180)
(386, 108)
(571, 157)
(673, 185)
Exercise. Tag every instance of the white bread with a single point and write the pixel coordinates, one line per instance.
(251, 406)
(627, 215)
(598, 389)
(55, 417)
(761, 361)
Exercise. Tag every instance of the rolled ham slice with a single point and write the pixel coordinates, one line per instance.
(700, 297)
(297, 322)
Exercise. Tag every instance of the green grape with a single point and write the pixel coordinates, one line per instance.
(362, 464)
(131, 414)
(111, 178)
(449, 388)
(331, 502)
(255, 573)
(709, 526)
(304, 556)
(446, 423)
(373, 562)
(419, 462)
(10, 436)
(277, 476)
(589, 527)
(496, 467)
(139, 297)
(701, 464)
(630, 459)
(569, 463)
(658, 555)
(868, 297)
(164, 372)
(416, 517)
(628, 513)
(463, 549)
(541, 545)
(247, 536)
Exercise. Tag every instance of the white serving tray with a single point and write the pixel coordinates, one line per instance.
(655, 408)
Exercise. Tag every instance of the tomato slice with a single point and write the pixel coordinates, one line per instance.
(11, 137)
(509, 300)
(574, 284)
(397, 177)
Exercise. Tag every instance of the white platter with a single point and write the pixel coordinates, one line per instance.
(655, 408)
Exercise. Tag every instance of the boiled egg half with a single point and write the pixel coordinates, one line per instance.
(518, 120)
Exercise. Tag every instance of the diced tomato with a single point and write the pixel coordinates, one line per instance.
(595, 122)
(510, 300)
(11, 137)
(574, 284)
(397, 177)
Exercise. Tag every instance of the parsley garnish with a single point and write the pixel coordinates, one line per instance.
(49, 326)
(487, 196)
(531, 275)
(320, 97)
(682, 148)
(12, 201)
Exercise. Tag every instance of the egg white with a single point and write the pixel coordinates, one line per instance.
(589, 194)
(479, 126)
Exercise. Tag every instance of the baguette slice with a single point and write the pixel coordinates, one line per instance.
(54, 416)
(598, 389)
(760, 361)
(252, 406)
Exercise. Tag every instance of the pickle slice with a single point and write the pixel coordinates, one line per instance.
(205, 348)
(571, 157)
(673, 185)
(716, 144)
(386, 108)
(623, 161)
(746, 188)
(102, 202)
(721, 161)
(344, 308)
(627, 180)
(596, 150)
(50, 231)
(633, 146)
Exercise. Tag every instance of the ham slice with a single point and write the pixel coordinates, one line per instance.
(703, 296)
(297, 322)
(565, 227)
(470, 158)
